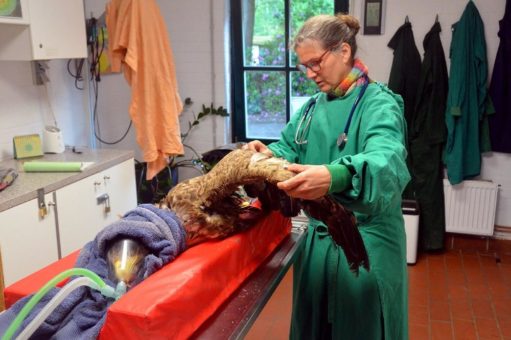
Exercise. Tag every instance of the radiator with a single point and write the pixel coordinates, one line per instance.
(470, 207)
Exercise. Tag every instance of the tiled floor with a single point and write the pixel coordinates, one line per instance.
(458, 294)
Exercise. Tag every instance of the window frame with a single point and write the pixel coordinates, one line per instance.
(238, 67)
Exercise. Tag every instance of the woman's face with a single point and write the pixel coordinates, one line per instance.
(334, 65)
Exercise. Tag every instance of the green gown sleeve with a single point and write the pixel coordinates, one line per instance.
(379, 169)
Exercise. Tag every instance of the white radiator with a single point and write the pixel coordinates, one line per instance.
(470, 207)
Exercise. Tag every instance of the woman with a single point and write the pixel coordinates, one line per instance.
(366, 172)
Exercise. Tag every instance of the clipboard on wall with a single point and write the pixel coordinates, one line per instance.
(27, 146)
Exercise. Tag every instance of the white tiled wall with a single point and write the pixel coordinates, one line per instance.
(19, 109)
(25, 107)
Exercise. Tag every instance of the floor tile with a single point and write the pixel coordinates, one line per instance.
(460, 294)
(464, 330)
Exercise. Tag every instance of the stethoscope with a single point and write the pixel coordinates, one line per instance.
(302, 131)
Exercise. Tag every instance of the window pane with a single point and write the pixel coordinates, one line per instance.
(301, 10)
(265, 104)
(302, 89)
(263, 32)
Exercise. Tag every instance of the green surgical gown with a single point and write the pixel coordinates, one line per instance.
(329, 301)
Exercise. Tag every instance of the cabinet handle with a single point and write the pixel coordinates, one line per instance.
(106, 177)
(96, 183)
(51, 204)
(105, 198)
(42, 210)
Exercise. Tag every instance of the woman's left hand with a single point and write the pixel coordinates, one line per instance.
(311, 181)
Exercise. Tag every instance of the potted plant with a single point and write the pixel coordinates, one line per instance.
(154, 190)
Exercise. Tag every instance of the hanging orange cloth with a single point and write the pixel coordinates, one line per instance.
(138, 41)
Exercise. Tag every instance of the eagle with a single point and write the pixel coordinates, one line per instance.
(211, 206)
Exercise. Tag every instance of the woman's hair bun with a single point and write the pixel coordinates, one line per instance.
(350, 21)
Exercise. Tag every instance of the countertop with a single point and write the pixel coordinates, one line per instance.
(25, 187)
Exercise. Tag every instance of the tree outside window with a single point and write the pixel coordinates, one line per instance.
(267, 87)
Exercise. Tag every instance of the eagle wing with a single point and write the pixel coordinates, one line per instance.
(210, 208)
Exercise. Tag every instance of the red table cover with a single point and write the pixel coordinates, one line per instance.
(173, 302)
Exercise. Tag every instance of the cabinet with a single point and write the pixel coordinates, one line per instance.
(87, 206)
(76, 213)
(49, 29)
(27, 241)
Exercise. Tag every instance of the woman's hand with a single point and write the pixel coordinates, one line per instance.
(258, 146)
(311, 181)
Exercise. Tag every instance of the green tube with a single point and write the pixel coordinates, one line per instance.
(16, 323)
(42, 166)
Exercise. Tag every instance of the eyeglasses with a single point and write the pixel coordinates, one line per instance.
(313, 65)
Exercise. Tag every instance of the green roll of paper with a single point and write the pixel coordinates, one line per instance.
(41, 166)
(7, 7)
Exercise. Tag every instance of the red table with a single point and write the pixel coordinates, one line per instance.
(192, 295)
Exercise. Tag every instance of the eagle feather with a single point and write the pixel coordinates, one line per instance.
(211, 208)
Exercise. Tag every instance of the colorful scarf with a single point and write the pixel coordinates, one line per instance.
(356, 76)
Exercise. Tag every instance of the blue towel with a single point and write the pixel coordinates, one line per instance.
(82, 314)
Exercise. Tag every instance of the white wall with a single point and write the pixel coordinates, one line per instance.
(196, 30)
(24, 107)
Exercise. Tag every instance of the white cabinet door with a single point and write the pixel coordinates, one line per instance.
(28, 242)
(87, 206)
(48, 29)
(120, 185)
(58, 29)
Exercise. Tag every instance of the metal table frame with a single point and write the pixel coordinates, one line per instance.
(238, 313)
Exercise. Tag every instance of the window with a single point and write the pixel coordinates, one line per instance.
(267, 87)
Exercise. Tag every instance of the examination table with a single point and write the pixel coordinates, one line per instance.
(212, 290)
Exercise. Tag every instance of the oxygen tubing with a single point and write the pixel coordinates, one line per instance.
(16, 323)
(54, 303)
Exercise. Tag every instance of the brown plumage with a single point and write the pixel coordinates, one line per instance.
(210, 208)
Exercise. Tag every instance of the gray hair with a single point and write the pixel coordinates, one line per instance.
(330, 31)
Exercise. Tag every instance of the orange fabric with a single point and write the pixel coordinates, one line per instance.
(138, 41)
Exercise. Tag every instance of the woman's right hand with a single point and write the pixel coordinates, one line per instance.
(258, 146)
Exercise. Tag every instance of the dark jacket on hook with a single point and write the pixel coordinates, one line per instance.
(500, 88)
(404, 79)
(427, 137)
(428, 123)
(404, 75)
